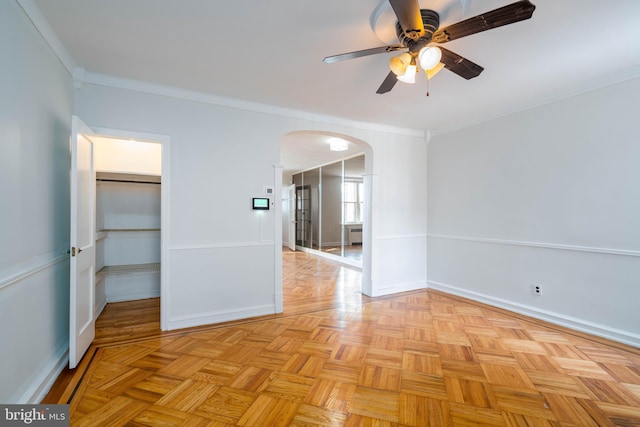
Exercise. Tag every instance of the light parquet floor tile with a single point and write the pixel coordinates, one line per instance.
(336, 357)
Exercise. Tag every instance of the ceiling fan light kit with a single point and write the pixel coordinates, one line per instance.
(398, 64)
(433, 71)
(409, 75)
(418, 29)
(429, 57)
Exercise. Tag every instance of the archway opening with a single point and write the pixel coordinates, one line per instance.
(326, 198)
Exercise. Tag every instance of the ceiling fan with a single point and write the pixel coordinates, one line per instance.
(418, 29)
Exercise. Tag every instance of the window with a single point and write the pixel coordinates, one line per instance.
(353, 201)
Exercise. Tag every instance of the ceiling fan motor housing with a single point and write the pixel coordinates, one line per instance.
(431, 21)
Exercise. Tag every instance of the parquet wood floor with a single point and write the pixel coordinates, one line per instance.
(336, 358)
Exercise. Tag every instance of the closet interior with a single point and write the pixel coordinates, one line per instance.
(128, 200)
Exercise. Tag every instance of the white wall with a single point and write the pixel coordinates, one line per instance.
(35, 117)
(117, 155)
(549, 196)
(399, 196)
(222, 254)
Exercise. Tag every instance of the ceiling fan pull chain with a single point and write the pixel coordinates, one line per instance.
(427, 85)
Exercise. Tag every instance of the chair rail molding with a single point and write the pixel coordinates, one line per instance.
(610, 251)
(26, 269)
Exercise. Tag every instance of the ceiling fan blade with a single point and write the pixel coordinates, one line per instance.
(388, 83)
(360, 53)
(515, 12)
(409, 17)
(459, 65)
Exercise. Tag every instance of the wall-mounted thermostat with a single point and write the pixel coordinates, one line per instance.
(268, 191)
(260, 204)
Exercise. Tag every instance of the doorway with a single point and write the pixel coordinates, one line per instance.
(128, 220)
(165, 191)
(155, 231)
(306, 150)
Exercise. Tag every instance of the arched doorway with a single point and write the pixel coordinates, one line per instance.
(309, 151)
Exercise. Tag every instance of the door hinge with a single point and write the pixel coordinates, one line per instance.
(73, 251)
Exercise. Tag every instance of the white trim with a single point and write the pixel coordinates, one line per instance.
(591, 249)
(173, 92)
(400, 287)
(581, 325)
(337, 258)
(402, 236)
(588, 86)
(47, 377)
(213, 317)
(127, 296)
(278, 297)
(129, 134)
(370, 181)
(28, 269)
(99, 307)
(34, 14)
(221, 246)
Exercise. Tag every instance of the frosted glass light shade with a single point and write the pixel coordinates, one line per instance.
(429, 57)
(398, 64)
(410, 75)
(432, 72)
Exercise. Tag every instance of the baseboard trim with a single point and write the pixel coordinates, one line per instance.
(571, 324)
(127, 296)
(41, 385)
(181, 322)
(399, 288)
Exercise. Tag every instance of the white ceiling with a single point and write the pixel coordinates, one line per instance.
(270, 52)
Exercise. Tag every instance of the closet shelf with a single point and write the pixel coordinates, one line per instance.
(128, 177)
(121, 270)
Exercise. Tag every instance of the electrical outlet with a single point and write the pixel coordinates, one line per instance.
(537, 289)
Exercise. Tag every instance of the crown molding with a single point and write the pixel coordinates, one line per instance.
(588, 86)
(32, 12)
(82, 77)
(187, 95)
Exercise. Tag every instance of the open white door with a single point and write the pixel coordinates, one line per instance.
(292, 217)
(83, 259)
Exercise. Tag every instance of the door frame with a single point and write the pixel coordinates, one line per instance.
(165, 198)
